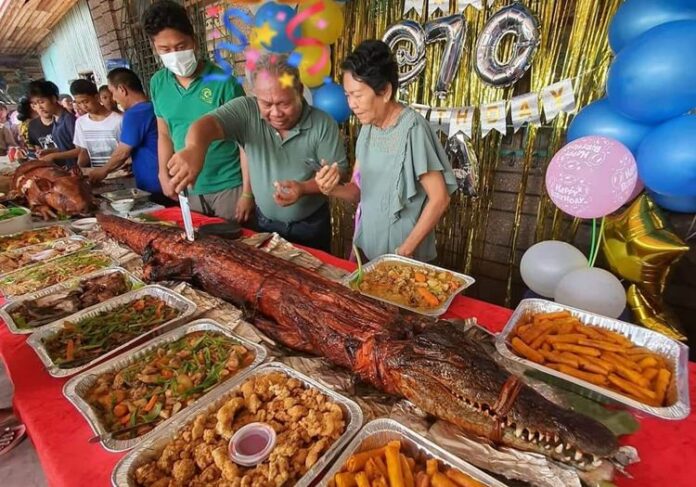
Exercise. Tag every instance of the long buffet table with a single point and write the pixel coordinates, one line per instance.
(60, 433)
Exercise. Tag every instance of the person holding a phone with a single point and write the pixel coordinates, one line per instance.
(285, 140)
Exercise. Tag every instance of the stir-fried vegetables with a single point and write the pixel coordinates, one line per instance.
(31, 237)
(8, 213)
(408, 285)
(84, 340)
(164, 381)
(32, 279)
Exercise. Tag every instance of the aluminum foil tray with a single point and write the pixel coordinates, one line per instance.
(123, 194)
(79, 385)
(123, 474)
(57, 262)
(379, 432)
(86, 245)
(435, 312)
(185, 306)
(8, 308)
(65, 229)
(675, 352)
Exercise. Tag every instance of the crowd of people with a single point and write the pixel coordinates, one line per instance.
(270, 160)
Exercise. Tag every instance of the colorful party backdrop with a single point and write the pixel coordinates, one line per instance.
(485, 235)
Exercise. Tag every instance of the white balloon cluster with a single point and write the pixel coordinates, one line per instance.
(558, 270)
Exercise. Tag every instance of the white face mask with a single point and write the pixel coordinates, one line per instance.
(181, 63)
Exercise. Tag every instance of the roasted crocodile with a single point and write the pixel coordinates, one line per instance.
(427, 361)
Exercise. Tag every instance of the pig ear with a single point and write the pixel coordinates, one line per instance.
(44, 185)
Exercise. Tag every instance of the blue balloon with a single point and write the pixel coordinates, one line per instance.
(667, 158)
(599, 118)
(277, 17)
(653, 79)
(680, 204)
(331, 98)
(635, 17)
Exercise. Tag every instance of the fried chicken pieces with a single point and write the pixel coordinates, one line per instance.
(306, 423)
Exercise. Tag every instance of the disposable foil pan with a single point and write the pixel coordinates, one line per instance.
(57, 262)
(124, 472)
(86, 245)
(77, 387)
(466, 282)
(67, 233)
(379, 432)
(122, 194)
(185, 307)
(8, 308)
(675, 352)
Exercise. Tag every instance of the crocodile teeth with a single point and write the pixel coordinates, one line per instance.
(582, 464)
(518, 432)
(559, 449)
(567, 446)
(555, 438)
(578, 455)
(566, 459)
(547, 447)
(596, 463)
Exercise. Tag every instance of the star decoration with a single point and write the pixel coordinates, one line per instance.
(264, 34)
(286, 80)
(640, 247)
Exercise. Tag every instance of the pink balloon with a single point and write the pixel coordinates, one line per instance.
(592, 177)
(637, 190)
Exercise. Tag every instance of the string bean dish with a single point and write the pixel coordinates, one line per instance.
(82, 341)
(165, 381)
(32, 279)
(409, 285)
(32, 237)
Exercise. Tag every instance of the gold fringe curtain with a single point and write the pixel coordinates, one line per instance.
(573, 42)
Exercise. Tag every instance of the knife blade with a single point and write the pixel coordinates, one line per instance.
(186, 214)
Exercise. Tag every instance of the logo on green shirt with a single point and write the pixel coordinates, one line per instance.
(207, 95)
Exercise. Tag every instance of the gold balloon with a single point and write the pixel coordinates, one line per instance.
(651, 312)
(640, 246)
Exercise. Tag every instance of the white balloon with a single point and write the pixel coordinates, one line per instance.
(594, 290)
(544, 264)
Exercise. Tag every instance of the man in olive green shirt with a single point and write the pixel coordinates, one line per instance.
(181, 96)
(279, 132)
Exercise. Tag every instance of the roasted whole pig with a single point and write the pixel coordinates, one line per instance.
(427, 361)
(52, 191)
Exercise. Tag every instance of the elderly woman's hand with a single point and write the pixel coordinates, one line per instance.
(327, 178)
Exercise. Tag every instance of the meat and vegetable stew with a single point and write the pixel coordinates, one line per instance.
(409, 285)
(166, 380)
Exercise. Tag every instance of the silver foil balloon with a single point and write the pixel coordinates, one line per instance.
(464, 162)
(452, 30)
(515, 20)
(411, 32)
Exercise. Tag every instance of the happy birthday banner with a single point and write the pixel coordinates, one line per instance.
(442, 5)
(555, 99)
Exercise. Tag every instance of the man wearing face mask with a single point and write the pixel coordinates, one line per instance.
(180, 97)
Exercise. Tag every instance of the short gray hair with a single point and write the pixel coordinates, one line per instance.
(275, 65)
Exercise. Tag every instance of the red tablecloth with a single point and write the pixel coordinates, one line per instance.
(60, 433)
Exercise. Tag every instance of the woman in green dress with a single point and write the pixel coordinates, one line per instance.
(405, 177)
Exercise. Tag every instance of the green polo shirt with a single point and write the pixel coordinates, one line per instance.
(180, 107)
(272, 159)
